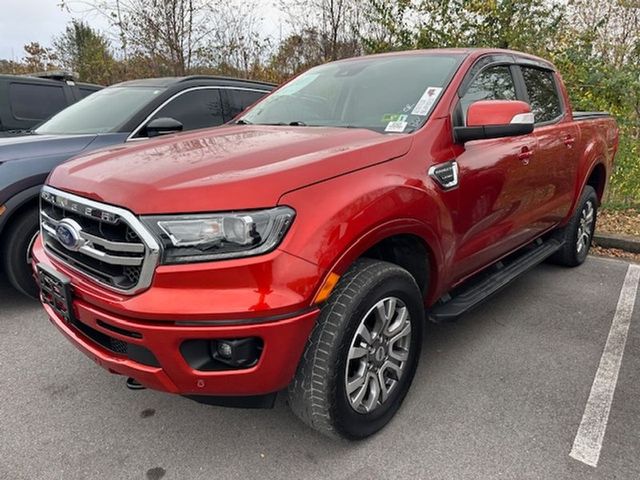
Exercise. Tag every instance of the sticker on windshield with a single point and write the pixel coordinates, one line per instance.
(426, 102)
(397, 125)
(393, 117)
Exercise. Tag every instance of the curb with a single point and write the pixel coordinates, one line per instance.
(622, 242)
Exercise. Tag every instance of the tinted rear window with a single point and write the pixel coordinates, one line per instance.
(36, 102)
(241, 99)
(84, 92)
(543, 94)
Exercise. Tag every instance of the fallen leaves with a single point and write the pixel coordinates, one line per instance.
(615, 253)
(625, 222)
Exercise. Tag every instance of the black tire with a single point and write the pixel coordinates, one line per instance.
(571, 255)
(16, 241)
(318, 394)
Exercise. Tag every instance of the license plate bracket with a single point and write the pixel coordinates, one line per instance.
(55, 291)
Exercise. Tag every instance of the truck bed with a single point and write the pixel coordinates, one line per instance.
(578, 116)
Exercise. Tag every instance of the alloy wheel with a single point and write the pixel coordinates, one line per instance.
(585, 227)
(378, 354)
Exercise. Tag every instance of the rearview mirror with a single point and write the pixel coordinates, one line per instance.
(163, 126)
(495, 119)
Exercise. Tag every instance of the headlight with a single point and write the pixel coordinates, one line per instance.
(216, 236)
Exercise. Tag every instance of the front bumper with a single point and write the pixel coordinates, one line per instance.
(96, 330)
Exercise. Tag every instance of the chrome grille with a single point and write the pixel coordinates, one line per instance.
(108, 244)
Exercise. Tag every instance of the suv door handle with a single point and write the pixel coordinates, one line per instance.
(569, 140)
(525, 155)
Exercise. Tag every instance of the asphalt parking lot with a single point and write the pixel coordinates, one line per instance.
(499, 394)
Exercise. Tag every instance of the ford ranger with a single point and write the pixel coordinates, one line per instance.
(304, 246)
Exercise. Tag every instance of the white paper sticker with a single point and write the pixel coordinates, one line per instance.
(397, 125)
(426, 102)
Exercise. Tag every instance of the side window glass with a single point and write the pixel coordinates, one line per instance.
(241, 99)
(85, 92)
(494, 83)
(194, 109)
(35, 102)
(543, 94)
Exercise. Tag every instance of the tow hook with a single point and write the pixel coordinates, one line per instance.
(133, 384)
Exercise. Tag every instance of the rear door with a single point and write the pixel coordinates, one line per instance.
(494, 193)
(554, 163)
(236, 100)
(30, 103)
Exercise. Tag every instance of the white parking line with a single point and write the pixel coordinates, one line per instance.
(588, 441)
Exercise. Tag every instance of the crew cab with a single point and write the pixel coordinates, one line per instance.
(303, 247)
(124, 113)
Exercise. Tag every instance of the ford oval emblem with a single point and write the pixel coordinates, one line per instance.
(68, 234)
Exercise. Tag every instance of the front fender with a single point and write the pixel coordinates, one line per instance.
(340, 219)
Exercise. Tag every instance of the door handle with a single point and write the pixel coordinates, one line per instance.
(569, 141)
(525, 155)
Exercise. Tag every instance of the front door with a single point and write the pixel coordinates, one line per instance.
(494, 193)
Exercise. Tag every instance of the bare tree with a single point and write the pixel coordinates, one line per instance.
(336, 22)
(236, 44)
(169, 33)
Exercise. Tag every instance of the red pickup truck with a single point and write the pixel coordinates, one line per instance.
(304, 246)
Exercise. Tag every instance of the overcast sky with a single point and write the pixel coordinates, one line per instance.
(24, 21)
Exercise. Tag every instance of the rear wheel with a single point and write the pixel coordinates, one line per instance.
(578, 233)
(16, 252)
(362, 355)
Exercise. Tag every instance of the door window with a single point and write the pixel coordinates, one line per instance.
(241, 99)
(493, 83)
(35, 102)
(194, 109)
(543, 94)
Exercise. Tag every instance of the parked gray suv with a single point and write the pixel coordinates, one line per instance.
(127, 112)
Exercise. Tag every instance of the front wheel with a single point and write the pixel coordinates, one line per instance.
(362, 354)
(578, 233)
(16, 252)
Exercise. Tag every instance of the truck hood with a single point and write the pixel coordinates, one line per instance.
(31, 146)
(226, 168)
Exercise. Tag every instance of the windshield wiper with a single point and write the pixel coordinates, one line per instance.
(242, 121)
(296, 123)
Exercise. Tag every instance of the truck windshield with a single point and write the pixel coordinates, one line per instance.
(392, 93)
(102, 112)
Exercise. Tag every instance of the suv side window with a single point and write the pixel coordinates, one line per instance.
(493, 83)
(85, 92)
(543, 94)
(195, 109)
(30, 101)
(241, 99)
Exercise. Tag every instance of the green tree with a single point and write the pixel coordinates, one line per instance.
(86, 52)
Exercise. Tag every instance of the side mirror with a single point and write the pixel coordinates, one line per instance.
(163, 126)
(495, 119)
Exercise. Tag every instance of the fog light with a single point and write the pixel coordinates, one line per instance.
(237, 352)
(225, 350)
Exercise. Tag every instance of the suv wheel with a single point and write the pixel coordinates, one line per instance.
(578, 233)
(16, 252)
(363, 352)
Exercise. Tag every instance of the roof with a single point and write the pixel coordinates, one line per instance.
(32, 78)
(476, 52)
(207, 79)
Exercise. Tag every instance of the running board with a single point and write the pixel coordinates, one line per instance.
(475, 291)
